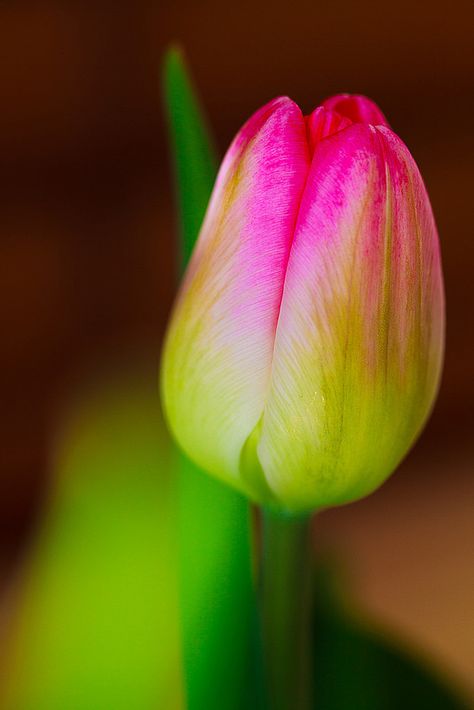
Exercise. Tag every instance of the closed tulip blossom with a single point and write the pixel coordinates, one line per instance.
(305, 347)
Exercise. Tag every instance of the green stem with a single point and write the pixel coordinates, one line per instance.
(285, 608)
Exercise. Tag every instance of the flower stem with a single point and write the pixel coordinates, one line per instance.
(285, 611)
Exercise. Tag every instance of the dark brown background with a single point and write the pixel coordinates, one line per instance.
(87, 231)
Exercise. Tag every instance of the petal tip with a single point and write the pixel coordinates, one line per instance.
(357, 108)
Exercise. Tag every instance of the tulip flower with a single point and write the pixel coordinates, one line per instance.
(305, 348)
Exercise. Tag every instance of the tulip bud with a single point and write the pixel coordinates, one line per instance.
(305, 347)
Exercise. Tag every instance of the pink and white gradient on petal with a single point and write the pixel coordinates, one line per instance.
(220, 342)
(305, 349)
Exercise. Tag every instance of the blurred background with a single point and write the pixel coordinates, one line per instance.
(87, 245)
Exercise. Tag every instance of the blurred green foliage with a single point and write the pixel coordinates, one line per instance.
(193, 153)
(359, 668)
(95, 620)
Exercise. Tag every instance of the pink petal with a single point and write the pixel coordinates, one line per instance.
(323, 123)
(357, 108)
(219, 350)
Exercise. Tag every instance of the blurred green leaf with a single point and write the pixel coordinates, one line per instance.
(357, 668)
(192, 148)
(217, 597)
(95, 617)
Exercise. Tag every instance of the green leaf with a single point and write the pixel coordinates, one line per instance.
(357, 668)
(95, 621)
(217, 596)
(192, 148)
